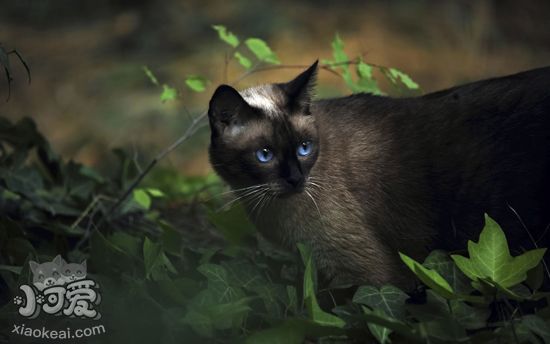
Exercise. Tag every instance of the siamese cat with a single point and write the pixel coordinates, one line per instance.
(363, 177)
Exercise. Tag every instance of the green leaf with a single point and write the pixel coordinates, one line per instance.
(293, 331)
(441, 262)
(338, 52)
(366, 82)
(538, 326)
(142, 198)
(243, 60)
(315, 312)
(381, 333)
(232, 223)
(429, 277)
(490, 258)
(383, 320)
(219, 283)
(341, 59)
(389, 299)
(155, 260)
(403, 78)
(168, 93)
(196, 83)
(226, 36)
(155, 192)
(207, 313)
(261, 50)
(472, 318)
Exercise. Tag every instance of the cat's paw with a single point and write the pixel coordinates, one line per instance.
(18, 300)
(40, 299)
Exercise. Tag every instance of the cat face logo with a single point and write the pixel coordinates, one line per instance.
(56, 272)
(58, 288)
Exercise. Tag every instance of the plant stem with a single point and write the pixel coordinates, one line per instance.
(192, 129)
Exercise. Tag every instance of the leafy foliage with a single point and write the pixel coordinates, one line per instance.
(176, 264)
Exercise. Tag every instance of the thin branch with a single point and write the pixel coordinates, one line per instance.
(192, 129)
(328, 67)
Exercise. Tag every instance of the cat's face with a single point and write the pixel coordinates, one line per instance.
(73, 271)
(265, 136)
(47, 274)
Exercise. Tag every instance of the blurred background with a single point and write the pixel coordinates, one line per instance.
(89, 93)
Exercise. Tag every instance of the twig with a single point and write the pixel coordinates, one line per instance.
(88, 209)
(328, 67)
(193, 127)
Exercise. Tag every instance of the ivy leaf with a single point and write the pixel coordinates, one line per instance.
(380, 319)
(429, 277)
(389, 299)
(156, 262)
(206, 312)
(226, 36)
(196, 83)
(218, 282)
(472, 318)
(315, 312)
(381, 333)
(243, 60)
(168, 93)
(490, 258)
(262, 51)
(441, 262)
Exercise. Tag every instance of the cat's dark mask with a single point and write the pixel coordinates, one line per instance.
(265, 135)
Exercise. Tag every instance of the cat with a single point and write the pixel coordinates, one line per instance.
(73, 272)
(47, 274)
(57, 272)
(363, 177)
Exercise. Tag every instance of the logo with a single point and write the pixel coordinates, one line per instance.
(59, 288)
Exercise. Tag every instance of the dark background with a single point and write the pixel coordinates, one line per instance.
(89, 93)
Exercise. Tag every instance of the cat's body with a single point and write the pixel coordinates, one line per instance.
(415, 174)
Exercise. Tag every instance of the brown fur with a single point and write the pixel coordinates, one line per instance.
(390, 175)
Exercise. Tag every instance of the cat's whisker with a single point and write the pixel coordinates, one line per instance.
(241, 189)
(317, 185)
(245, 195)
(260, 200)
(315, 203)
(265, 203)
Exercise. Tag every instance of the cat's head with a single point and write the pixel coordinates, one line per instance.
(72, 271)
(47, 274)
(265, 136)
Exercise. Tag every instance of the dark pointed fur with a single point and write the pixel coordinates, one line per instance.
(407, 175)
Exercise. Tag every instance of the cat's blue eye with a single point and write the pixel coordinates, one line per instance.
(264, 155)
(305, 148)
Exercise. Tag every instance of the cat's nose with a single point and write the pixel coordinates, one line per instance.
(295, 181)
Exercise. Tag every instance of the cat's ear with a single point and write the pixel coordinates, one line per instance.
(83, 264)
(58, 260)
(227, 107)
(300, 89)
(33, 265)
